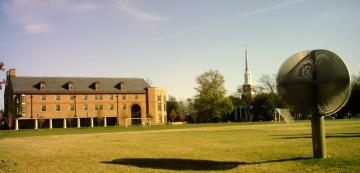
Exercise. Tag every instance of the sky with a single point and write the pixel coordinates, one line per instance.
(170, 42)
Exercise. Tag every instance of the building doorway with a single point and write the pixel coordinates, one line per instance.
(136, 114)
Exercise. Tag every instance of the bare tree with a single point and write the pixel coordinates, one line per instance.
(267, 83)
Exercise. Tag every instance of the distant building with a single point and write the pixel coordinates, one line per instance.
(64, 102)
(248, 92)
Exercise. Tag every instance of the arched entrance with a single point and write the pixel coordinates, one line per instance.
(136, 113)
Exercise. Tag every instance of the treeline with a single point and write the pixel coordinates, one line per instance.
(210, 104)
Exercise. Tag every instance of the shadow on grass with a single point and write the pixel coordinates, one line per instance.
(188, 164)
(304, 136)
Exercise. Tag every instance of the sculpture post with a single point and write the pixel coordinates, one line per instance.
(318, 136)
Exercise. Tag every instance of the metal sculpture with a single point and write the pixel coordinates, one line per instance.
(315, 82)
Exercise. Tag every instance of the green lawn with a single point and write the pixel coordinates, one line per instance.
(234, 147)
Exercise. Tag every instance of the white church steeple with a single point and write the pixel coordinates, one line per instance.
(247, 74)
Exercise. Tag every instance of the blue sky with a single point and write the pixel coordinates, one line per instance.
(171, 42)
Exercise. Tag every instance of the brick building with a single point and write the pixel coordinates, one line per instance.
(50, 102)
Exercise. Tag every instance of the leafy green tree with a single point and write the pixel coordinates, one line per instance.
(171, 107)
(352, 106)
(264, 105)
(181, 111)
(210, 102)
(176, 110)
(190, 113)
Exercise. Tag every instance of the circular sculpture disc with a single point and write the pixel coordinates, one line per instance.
(316, 81)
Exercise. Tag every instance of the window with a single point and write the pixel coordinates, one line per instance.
(97, 85)
(159, 103)
(57, 97)
(100, 97)
(57, 108)
(72, 107)
(85, 97)
(42, 86)
(85, 107)
(43, 108)
(72, 97)
(96, 97)
(43, 97)
(111, 97)
(159, 107)
(98, 107)
(111, 107)
(136, 97)
(70, 85)
(124, 106)
(124, 96)
(122, 86)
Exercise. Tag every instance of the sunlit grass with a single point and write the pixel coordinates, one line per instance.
(234, 147)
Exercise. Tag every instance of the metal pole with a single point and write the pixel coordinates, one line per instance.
(317, 121)
(318, 136)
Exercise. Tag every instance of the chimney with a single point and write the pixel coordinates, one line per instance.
(11, 72)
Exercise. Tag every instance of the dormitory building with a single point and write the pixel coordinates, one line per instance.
(63, 102)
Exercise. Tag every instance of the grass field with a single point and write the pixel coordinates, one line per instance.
(234, 147)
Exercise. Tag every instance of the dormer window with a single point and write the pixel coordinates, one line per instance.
(97, 85)
(42, 86)
(122, 86)
(70, 86)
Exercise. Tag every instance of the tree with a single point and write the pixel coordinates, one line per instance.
(267, 83)
(176, 110)
(171, 107)
(210, 102)
(351, 108)
(181, 111)
(190, 113)
(264, 105)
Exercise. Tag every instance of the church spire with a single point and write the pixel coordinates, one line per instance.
(246, 60)
(247, 74)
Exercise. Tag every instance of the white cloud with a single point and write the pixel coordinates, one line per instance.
(36, 28)
(135, 13)
(271, 8)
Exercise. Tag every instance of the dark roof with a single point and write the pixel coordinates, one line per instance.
(81, 85)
